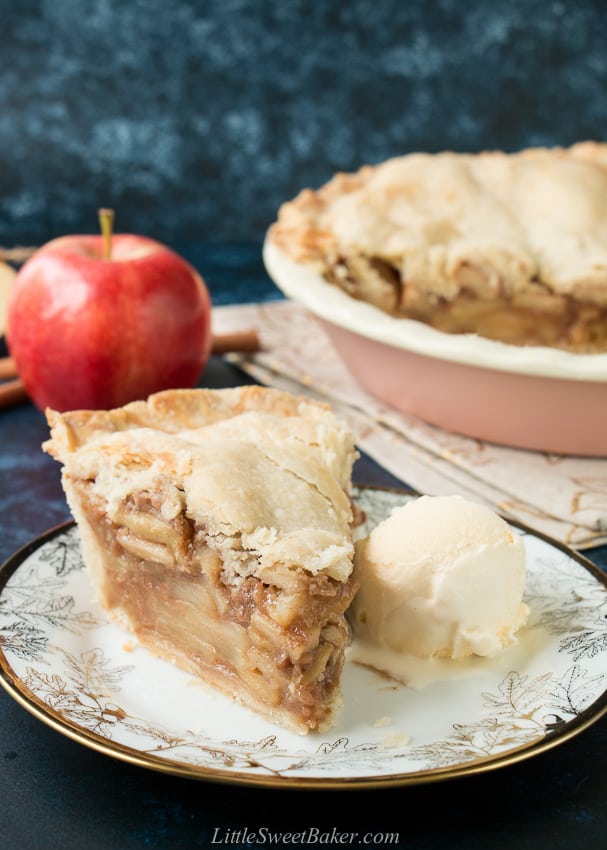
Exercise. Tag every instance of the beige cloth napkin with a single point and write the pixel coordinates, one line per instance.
(563, 497)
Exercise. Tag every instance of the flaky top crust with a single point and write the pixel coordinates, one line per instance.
(264, 473)
(172, 411)
(539, 215)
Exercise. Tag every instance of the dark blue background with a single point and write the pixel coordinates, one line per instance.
(194, 120)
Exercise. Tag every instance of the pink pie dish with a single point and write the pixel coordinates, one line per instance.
(527, 397)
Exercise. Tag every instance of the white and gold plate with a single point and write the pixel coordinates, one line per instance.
(63, 661)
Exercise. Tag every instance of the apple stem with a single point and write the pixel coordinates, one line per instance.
(106, 222)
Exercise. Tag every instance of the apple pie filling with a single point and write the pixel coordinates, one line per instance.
(278, 642)
(535, 316)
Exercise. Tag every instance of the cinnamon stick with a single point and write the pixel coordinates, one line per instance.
(12, 393)
(8, 368)
(239, 341)
(17, 255)
(222, 344)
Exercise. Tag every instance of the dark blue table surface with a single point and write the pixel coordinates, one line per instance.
(55, 793)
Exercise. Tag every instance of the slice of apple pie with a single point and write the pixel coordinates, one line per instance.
(512, 247)
(217, 526)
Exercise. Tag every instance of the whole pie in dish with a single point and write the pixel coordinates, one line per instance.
(217, 526)
(512, 247)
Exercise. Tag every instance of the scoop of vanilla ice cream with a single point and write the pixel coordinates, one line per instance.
(440, 577)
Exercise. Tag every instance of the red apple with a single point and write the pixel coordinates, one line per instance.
(98, 321)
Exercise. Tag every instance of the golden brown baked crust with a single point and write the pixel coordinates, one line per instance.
(509, 246)
(216, 525)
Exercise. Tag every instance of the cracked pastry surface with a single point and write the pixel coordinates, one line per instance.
(216, 525)
(510, 246)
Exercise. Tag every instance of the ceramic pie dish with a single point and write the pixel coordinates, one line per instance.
(530, 397)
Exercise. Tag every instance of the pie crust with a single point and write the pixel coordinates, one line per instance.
(512, 247)
(217, 526)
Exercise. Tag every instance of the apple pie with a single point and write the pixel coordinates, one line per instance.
(217, 527)
(512, 247)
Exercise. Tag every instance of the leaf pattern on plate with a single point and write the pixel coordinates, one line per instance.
(74, 662)
(63, 554)
(93, 711)
(36, 605)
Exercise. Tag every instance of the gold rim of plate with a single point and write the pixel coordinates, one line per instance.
(22, 694)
